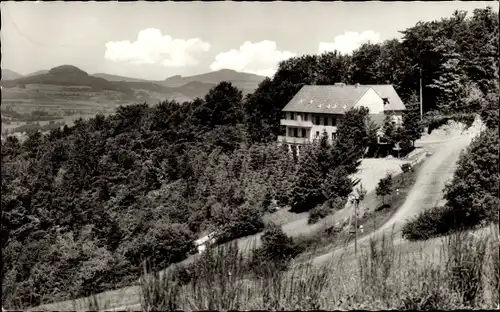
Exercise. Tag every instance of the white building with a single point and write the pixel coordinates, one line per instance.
(315, 109)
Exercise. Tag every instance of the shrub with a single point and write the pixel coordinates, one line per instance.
(472, 199)
(319, 212)
(428, 224)
(466, 119)
(406, 167)
(473, 192)
(435, 120)
(489, 111)
(276, 251)
(244, 221)
(384, 187)
(337, 203)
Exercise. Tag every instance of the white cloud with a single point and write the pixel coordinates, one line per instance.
(151, 47)
(349, 41)
(259, 58)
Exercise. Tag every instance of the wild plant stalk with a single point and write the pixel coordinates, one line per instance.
(388, 277)
(375, 266)
(465, 264)
(159, 291)
(493, 267)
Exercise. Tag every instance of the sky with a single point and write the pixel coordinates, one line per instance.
(154, 41)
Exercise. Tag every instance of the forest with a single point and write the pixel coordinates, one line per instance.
(84, 206)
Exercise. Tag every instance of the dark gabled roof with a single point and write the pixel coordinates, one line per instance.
(388, 92)
(326, 99)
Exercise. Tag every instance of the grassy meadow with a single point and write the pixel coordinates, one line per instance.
(460, 271)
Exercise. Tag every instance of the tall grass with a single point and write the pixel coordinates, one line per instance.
(376, 265)
(458, 271)
(465, 255)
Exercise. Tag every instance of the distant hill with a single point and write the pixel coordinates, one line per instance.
(197, 85)
(195, 89)
(117, 78)
(38, 72)
(8, 74)
(176, 87)
(68, 75)
(246, 82)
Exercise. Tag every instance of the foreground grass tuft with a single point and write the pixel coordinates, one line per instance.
(459, 271)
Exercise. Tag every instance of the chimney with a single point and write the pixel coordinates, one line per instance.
(356, 85)
(339, 84)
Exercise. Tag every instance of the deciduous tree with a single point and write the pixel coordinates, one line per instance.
(384, 187)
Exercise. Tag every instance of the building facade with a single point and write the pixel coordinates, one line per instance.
(318, 109)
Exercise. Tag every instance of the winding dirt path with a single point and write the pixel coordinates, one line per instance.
(437, 170)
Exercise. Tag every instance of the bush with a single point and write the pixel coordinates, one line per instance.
(384, 187)
(244, 221)
(473, 192)
(337, 203)
(472, 195)
(489, 111)
(429, 223)
(466, 119)
(435, 120)
(319, 212)
(276, 251)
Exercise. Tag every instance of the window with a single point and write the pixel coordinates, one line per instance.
(317, 121)
(304, 132)
(295, 132)
(334, 136)
(317, 134)
(334, 121)
(325, 121)
(290, 132)
(306, 117)
(292, 116)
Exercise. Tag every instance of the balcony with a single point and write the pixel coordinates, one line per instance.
(296, 123)
(292, 140)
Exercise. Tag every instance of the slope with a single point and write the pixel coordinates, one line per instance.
(8, 74)
(436, 171)
(427, 191)
(116, 78)
(68, 75)
(38, 72)
(244, 81)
